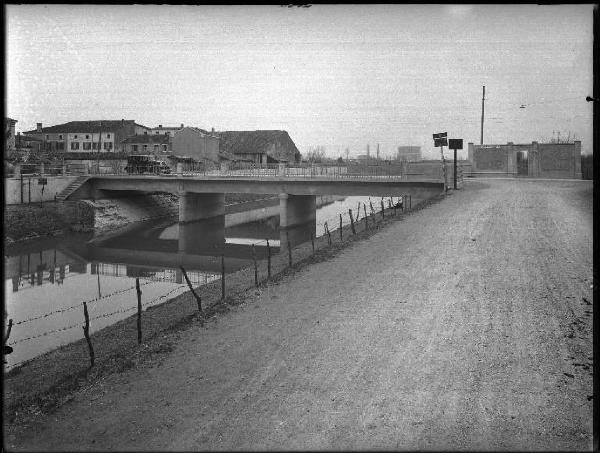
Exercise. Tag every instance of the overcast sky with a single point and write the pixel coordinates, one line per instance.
(336, 76)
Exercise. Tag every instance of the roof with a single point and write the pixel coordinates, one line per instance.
(271, 142)
(158, 139)
(179, 128)
(6, 118)
(86, 126)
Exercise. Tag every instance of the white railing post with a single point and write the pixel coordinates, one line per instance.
(179, 168)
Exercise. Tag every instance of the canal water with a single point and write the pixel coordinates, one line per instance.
(47, 280)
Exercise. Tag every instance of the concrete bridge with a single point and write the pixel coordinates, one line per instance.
(203, 197)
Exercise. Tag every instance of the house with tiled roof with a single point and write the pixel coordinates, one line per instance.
(87, 136)
(261, 147)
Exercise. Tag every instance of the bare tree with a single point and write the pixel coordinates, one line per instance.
(316, 154)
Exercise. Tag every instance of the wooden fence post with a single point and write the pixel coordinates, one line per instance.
(139, 311)
(222, 277)
(382, 209)
(366, 217)
(326, 227)
(312, 240)
(10, 324)
(196, 296)
(351, 221)
(289, 253)
(268, 260)
(372, 210)
(255, 266)
(86, 333)
(341, 234)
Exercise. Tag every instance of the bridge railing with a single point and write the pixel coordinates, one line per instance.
(297, 170)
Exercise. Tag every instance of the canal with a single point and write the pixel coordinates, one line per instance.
(47, 280)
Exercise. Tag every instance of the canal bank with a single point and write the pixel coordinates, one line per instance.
(29, 221)
(51, 375)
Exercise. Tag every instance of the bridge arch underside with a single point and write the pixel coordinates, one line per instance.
(203, 198)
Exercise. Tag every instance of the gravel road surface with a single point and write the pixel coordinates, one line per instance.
(466, 326)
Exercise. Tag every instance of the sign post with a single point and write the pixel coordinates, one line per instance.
(441, 140)
(455, 143)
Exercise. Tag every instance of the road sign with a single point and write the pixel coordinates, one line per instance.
(456, 143)
(42, 181)
(440, 139)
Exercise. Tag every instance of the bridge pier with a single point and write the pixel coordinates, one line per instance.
(296, 209)
(198, 206)
(297, 217)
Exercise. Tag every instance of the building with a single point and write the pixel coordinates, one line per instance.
(536, 160)
(29, 144)
(260, 147)
(87, 136)
(166, 130)
(196, 143)
(9, 135)
(409, 153)
(156, 144)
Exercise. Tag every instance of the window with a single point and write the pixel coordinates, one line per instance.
(75, 136)
(134, 148)
(107, 135)
(47, 137)
(168, 132)
(60, 137)
(74, 145)
(87, 146)
(94, 145)
(157, 132)
(107, 145)
(155, 148)
(164, 148)
(145, 148)
(60, 146)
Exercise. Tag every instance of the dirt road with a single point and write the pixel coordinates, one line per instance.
(462, 327)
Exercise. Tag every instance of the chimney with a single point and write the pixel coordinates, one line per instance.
(212, 129)
(145, 132)
(182, 125)
(160, 126)
(39, 127)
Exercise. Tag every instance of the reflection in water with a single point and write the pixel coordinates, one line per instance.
(50, 278)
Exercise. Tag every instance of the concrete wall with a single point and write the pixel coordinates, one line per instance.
(544, 160)
(558, 160)
(56, 184)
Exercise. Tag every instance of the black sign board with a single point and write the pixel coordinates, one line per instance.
(440, 139)
(456, 143)
(42, 181)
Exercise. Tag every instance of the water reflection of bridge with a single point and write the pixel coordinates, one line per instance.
(154, 251)
(197, 246)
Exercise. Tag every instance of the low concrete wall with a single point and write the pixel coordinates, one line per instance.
(32, 191)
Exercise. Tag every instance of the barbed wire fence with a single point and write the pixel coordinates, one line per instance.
(265, 270)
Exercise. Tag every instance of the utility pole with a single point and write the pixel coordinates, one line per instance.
(482, 114)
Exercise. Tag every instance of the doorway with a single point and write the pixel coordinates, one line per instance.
(522, 163)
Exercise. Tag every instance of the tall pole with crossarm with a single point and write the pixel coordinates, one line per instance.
(482, 114)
